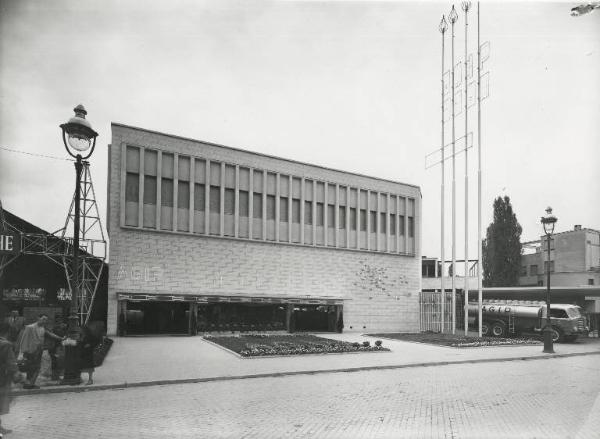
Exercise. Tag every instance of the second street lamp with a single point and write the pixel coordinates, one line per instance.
(548, 222)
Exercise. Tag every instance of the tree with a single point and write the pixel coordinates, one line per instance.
(502, 247)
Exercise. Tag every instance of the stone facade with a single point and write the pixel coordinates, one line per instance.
(379, 286)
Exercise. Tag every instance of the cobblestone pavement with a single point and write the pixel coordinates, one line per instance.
(551, 398)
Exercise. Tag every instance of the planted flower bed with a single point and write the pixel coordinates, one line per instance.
(458, 341)
(258, 345)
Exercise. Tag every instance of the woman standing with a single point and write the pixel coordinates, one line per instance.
(88, 342)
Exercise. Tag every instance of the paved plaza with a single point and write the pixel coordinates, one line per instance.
(556, 398)
(192, 358)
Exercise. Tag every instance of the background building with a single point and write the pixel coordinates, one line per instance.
(574, 259)
(209, 237)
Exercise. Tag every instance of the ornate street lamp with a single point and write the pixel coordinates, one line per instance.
(78, 138)
(548, 222)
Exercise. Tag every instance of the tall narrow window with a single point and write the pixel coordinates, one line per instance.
(199, 197)
(244, 199)
(229, 206)
(132, 187)
(215, 199)
(270, 207)
(296, 211)
(382, 222)
(308, 213)
(392, 224)
(331, 216)
(353, 218)
(373, 218)
(166, 192)
(183, 194)
(411, 227)
(320, 215)
(257, 205)
(342, 215)
(283, 209)
(401, 224)
(150, 190)
(363, 220)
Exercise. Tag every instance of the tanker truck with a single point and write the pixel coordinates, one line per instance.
(514, 318)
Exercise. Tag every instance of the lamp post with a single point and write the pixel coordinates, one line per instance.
(548, 222)
(78, 137)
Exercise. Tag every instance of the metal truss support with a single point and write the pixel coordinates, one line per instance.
(58, 246)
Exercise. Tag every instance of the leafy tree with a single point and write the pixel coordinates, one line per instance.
(502, 247)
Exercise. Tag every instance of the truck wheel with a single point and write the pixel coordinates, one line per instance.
(498, 329)
(485, 329)
(556, 335)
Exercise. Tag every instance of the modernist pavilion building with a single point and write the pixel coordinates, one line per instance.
(211, 238)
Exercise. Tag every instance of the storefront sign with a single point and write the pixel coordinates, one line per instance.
(9, 243)
(23, 293)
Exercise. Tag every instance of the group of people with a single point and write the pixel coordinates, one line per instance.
(25, 344)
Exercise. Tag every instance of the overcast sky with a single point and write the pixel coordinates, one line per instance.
(349, 85)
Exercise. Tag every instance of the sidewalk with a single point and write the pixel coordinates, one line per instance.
(142, 361)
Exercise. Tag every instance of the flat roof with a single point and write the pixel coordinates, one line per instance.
(264, 155)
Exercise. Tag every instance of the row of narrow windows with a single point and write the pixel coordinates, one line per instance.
(212, 186)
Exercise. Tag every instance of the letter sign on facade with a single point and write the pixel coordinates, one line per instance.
(9, 244)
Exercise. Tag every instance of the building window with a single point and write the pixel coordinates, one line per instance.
(382, 222)
(590, 281)
(244, 200)
(524, 270)
(411, 227)
(533, 270)
(353, 218)
(342, 215)
(308, 213)
(296, 211)
(229, 207)
(363, 220)
(401, 224)
(320, 215)
(373, 218)
(149, 190)
(271, 207)
(183, 195)
(132, 187)
(166, 192)
(257, 205)
(393, 225)
(283, 209)
(199, 197)
(215, 199)
(331, 216)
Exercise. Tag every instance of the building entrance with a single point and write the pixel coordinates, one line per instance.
(149, 318)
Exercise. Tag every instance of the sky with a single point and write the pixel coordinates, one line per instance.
(354, 86)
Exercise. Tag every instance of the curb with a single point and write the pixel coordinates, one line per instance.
(126, 385)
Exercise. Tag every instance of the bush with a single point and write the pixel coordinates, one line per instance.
(356, 344)
(378, 343)
(366, 344)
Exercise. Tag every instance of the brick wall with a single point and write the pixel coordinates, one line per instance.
(380, 290)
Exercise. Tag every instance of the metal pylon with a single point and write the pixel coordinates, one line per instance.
(92, 244)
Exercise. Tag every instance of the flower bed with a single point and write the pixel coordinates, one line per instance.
(259, 345)
(457, 341)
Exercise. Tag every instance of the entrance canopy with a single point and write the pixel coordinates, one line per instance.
(195, 298)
